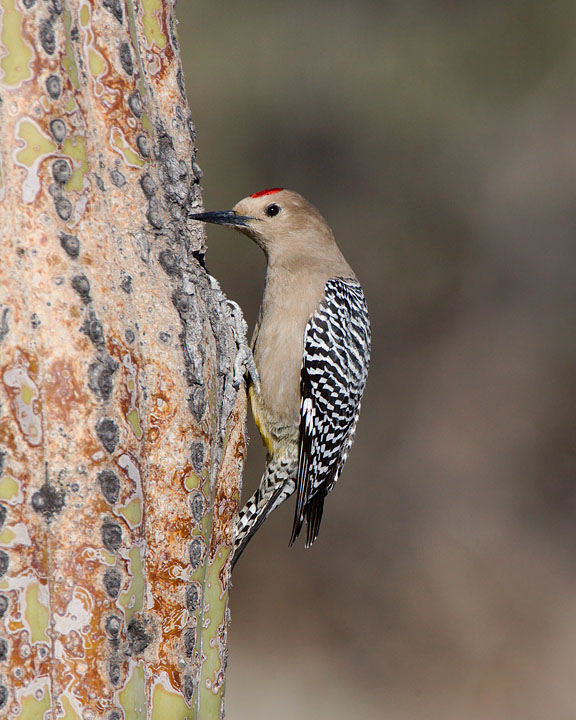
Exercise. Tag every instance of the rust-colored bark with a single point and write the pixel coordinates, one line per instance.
(120, 429)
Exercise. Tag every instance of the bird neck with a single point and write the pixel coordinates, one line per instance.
(322, 260)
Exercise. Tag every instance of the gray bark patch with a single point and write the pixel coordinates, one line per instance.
(3, 322)
(126, 58)
(108, 434)
(48, 501)
(192, 597)
(61, 170)
(196, 552)
(53, 86)
(197, 456)
(114, 7)
(4, 562)
(58, 129)
(81, 285)
(189, 642)
(197, 506)
(115, 672)
(93, 328)
(138, 636)
(188, 687)
(110, 485)
(112, 582)
(111, 536)
(113, 626)
(70, 244)
(101, 376)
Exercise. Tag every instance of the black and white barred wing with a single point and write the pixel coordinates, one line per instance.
(334, 370)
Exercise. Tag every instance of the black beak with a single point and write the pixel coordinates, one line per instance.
(223, 217)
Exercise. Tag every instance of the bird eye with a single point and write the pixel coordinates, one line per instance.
(272, 210)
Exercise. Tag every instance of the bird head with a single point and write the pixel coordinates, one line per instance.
(275, 219)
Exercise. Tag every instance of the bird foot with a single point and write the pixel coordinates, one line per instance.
(244, 361)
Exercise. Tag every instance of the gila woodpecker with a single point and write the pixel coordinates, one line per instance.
(311, 346)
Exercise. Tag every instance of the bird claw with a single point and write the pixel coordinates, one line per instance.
(244, 361)
(244, 365)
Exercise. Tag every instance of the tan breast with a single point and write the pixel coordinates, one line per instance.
(277, 346)
(291, 296)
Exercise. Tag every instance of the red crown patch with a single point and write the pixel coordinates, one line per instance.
(269, 191)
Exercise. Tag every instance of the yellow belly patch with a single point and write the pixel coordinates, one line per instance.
(258, 419)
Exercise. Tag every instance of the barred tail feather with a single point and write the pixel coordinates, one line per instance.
(251, 518)
(314, 511)
(276, 485)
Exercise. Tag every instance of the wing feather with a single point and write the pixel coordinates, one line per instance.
(332, 380)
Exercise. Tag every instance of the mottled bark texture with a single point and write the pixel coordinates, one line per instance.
(121, 434)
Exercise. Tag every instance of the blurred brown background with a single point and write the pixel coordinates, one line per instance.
(439, 140)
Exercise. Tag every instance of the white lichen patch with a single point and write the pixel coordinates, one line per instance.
(24, 397)
(132, 509)
(131, 385)
(78, 613)
(132, 601)
(119, 143)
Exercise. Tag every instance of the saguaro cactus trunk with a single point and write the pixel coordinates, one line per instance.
(121, 431)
